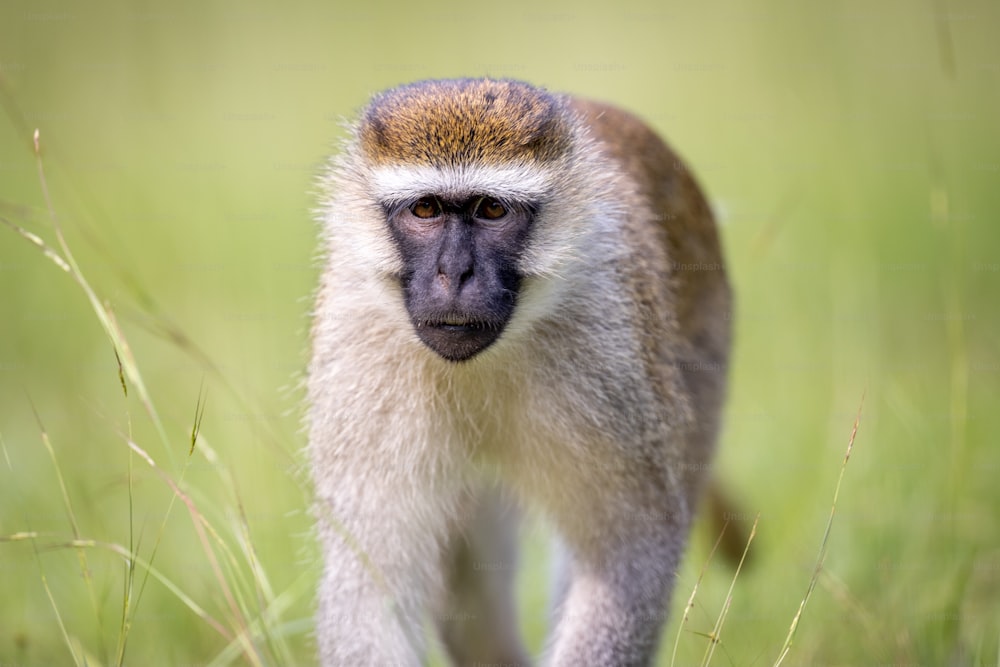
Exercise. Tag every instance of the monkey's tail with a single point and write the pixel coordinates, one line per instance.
(726, 519)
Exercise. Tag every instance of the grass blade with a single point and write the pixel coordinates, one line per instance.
(821, 558)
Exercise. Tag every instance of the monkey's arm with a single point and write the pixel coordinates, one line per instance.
(382, 507)
(378, 548)
(623, 564)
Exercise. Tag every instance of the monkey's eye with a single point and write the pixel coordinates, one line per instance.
(489, 209)
(426, 208)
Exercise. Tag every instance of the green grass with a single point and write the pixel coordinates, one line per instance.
(251, 616)
(154, 297)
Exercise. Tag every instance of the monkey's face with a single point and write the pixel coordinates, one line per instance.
(461, 171)
(460, 282)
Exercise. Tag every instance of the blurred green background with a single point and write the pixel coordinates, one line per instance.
(852, 150)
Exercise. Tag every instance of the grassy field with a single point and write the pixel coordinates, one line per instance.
(153, 505)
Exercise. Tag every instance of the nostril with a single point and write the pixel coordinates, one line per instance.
(450, 281)
(465, 277)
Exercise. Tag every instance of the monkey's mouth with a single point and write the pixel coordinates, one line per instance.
(457, 338)
(458, 324)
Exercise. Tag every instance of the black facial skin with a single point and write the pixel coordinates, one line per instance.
(459, 280)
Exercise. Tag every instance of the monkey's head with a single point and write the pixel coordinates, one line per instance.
(461, 177)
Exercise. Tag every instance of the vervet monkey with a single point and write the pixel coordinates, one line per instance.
(522, 291)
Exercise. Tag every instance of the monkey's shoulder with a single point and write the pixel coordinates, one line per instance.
(659, 174)
(675, 205)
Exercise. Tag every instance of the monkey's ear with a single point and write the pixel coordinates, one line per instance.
(725, 518)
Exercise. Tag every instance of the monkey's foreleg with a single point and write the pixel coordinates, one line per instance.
(621, 575)
(382, 555)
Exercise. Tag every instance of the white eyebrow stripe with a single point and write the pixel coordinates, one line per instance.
(399, 183)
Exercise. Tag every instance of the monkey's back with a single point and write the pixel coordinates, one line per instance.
(677, 203)
(683, 223)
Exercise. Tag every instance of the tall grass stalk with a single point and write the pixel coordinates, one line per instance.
(786, 647)
(249, 618)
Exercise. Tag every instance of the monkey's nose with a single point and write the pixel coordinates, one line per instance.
(452, 282)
